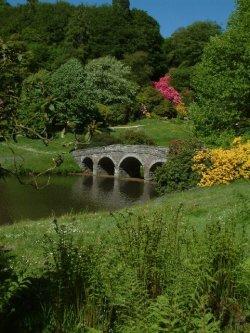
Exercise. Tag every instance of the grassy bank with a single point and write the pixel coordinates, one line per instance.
(198, 206)
(163, 131)
(131, 262)
(178, 263)
(33, 155)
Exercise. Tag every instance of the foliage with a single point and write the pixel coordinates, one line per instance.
(108, 82)
(36, 109)
(223, 99)
(123, 5)
(73, 106)
(73, 275)
(210, 275)
(149, 272)
(64, 31)
(177, 173)
(154, 103)
(136, 137)
(165, 109)
(14, 67)
(181, 78)
(141, 68)
(221, 166)
(181, 110)
(185, 46)
(184, 49)
(103, 139)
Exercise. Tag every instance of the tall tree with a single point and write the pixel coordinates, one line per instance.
(122, 4)
(185, 46)
(222, 81)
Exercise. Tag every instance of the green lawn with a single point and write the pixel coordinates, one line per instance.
(35, 156)
(199, 206)
(163, 131)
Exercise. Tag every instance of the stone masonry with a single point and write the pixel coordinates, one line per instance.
(122, 160)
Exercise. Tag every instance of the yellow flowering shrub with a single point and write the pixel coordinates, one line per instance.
(221, 166)
(181, 110)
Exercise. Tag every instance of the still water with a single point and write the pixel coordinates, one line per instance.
(67, 194)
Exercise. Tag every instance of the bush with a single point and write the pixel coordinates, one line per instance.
(221, 166)
(103, 139)
(119, 114)
(181, 77)
(147, 273)
(149, 98)
(177, 173)
(165, 109)
(194, 281)
(136, 137)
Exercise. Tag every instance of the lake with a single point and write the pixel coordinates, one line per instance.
(67, 194)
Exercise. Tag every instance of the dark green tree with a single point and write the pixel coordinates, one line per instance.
(14, 67)
(185, 46)
(36, 110)
(121, 4)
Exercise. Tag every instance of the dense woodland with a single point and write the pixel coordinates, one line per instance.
(63, 66)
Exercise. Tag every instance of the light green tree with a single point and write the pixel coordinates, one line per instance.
(108, 81)
(73, 107)
(222, 80)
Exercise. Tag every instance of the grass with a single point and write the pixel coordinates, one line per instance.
(199, 206)
(163, 131)
(172, 260)
(33, 155)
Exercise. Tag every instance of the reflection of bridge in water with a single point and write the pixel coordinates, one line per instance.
(112, 193)
(133, 161)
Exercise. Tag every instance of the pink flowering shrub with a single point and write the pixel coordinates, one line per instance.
(164, 87)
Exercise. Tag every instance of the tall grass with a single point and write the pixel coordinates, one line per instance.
(150, 273)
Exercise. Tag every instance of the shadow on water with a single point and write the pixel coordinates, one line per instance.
(67, 194)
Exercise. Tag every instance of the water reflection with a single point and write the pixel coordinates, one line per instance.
(69, 194)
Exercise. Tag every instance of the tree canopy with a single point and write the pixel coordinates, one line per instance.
(222, 81)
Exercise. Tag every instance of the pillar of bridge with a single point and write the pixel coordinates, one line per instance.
(146, 191)
(147, 173)
(95, 167)
(117, 172)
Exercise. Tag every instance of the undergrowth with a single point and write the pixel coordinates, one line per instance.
(151, 273)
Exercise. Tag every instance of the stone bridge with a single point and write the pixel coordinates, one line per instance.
(134, 161)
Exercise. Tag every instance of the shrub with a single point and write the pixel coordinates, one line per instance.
(181, 77)
(167, 91)
(181, 110)
(136, 137)
(73, 277)
(146, 273)
(150, 98)
(177, 173)
(103, 139)
(221, 166)
(165, 109)
(201, 287)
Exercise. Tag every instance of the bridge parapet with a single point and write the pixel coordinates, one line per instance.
(122, 160)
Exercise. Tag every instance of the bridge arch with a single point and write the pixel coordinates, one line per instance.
(154, 167)
(106, 166)
(87, 165)
(131, 166)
